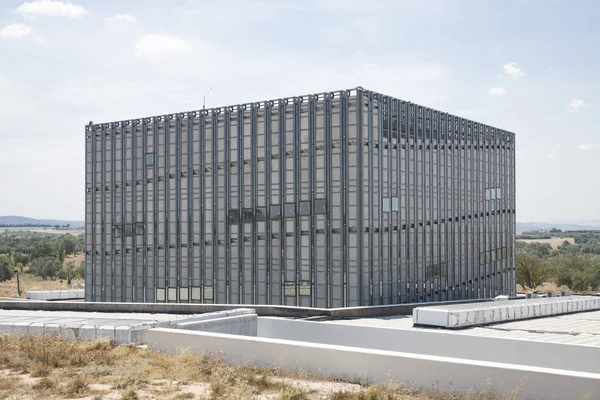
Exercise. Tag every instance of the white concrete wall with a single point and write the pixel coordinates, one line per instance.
(124, 329)
(381, 366)
(218, 314)
(120, 334)
(461, 316)
(71, 294)
(245, 325)
(439, 343)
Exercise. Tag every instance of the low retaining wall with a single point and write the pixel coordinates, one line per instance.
(241, 321)
(218, 315)
(121, 334)
(74, 294)
(245, 325)
(382, 366)
(123, 328)
(463, 316)
(436, 342)
(187, 308)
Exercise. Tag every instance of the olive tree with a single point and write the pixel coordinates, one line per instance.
(46, 267)
(6, 268)
(531, 271)
(71, 271)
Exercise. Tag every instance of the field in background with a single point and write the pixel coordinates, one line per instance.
(23, 231)
(32, 282)
(554, 242)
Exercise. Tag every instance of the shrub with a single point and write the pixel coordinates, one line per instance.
(531, 271)
(6, 268)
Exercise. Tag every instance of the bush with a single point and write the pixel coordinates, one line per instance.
(6, 268)
(46, 267)
(44, 249)
(531, 271)
(541, 250)
(581, 273)
(70, 271)
(22, 259)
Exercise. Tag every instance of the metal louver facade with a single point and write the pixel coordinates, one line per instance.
(347, 198)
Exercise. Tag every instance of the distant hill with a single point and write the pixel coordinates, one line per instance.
(11, 220)
(562, 225)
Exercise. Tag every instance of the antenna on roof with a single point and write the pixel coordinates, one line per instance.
(204, 99)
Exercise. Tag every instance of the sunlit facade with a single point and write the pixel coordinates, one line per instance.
(347, 198)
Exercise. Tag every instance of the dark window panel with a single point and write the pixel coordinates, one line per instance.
(275, 211)
(304, 208)
(233, 217)
(128, 230)
(261, 214)
(320, 206)
(247, 215)
(289, 210)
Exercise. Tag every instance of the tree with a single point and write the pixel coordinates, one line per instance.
(71, 271)
(46, 267)
(581, 273)
(6, 268)
(60, 252)
(69, 243)
(44, 249)
(21, 260)
(541, 250)
(531, 271)
(79, 244)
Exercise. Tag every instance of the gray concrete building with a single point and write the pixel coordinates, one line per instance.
(338, 199)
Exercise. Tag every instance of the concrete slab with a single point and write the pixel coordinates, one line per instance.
(467, 315)
(70, 294)
(123, 328)
(123, 335)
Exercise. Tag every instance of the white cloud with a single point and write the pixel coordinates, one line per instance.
(551, 155)
(513, 70)
(155, 46)
(496, 91)
(589, 146)
(52, 8)
(558, 146)
(16, 31)
(576, 104)
(120, 18)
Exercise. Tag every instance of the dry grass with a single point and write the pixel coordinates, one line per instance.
(544, 288)
(32, 282)
(47, 367)
(554, 242)
(553, 287)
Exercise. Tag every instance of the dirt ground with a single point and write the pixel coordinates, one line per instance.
(554, 242)
(545, 287)
(32, 282)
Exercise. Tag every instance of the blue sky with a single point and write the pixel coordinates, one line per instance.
(526, 66)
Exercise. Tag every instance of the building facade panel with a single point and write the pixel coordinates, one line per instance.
(348, 198)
